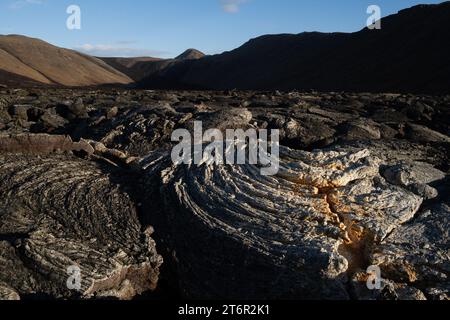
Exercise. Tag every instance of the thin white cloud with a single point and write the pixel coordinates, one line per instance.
(126, 42)
(103, 50)
(232, 6)
(18, 4)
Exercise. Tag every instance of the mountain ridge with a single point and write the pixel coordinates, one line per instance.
(409, 53)
(190, 54)
(141, 67)
(44, 63)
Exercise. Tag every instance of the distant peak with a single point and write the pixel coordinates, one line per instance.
(190, 54)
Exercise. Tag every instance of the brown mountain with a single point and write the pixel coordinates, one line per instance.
(135, 68)
(190, 54)
(410, 53)
(142, 67)
(26, 60)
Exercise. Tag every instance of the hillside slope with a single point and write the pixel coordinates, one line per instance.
(410, 53)
(44, 63)
(142, 67)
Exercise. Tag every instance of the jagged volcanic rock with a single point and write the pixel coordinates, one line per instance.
(418, 253)
(234, 233)
(80, 165)
(59, 211)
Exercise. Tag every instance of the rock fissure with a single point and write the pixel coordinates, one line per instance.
(356, 240)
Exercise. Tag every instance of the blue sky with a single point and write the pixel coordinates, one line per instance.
(165, 28)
